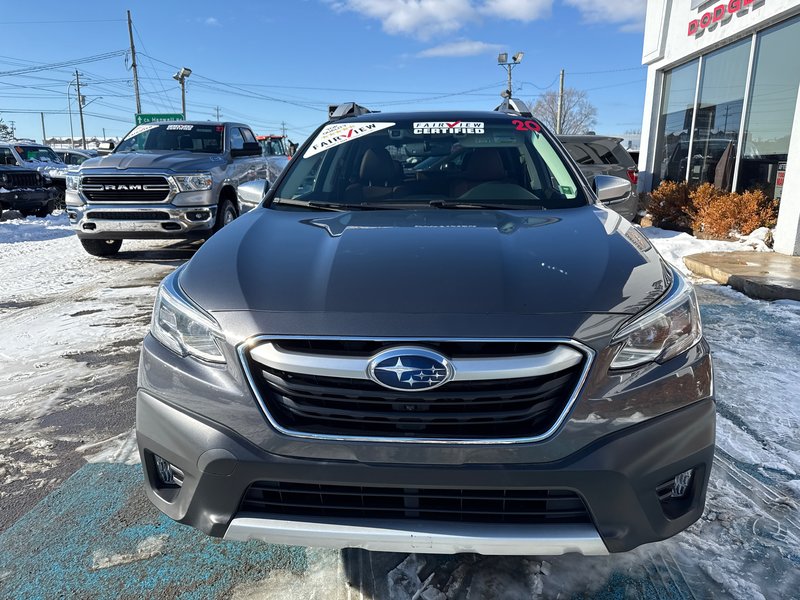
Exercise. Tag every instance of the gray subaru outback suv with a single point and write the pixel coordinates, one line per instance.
(430, 336)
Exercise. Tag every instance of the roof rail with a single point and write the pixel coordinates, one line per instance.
(348, 109)
(514, 106)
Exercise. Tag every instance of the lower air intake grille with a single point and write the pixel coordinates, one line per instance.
(141, 215)
(523, 506)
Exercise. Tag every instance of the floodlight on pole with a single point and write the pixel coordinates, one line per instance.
(180, 77)
(502, 60)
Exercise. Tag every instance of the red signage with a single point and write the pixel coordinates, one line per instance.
(717, 14)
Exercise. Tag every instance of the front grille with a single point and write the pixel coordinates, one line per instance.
(522, 506)
(23, 180)
(118, 188)
(462, 410)
(142, 215)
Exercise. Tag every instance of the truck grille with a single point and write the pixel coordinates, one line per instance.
(127, 188)
(121, 215)
(459, 410)
(522, 506)
(23, 180)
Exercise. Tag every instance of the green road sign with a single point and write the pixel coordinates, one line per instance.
(142, 118)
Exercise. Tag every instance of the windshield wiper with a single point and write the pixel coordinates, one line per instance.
(489, 205)
(337, 206)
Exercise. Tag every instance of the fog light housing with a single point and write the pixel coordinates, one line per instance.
(164, 470)
(681, 483)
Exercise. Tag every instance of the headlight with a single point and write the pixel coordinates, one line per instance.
(194, 183)
(73, 181)
(662, 333)
(182, 326)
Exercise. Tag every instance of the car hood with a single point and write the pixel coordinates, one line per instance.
(164, 161)
(427, 262)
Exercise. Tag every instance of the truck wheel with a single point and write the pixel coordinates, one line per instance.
(101, 247)
(225, 214)
(60, 200)
(46, 209)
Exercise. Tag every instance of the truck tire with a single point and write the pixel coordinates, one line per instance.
(46, 209)
(101, 247)
(225, 214)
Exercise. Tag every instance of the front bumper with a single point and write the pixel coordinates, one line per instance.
(617, 477)
(26, 199)
(141, 221)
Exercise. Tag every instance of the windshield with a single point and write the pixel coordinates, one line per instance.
(507, 164)
(37, 154)
(172, 137)
(273, 147)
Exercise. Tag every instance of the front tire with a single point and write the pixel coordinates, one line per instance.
(101, 247)
(46, 209)
(225, 214)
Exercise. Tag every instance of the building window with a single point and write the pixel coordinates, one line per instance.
(675, 123)
(773, 98)
(719, 116)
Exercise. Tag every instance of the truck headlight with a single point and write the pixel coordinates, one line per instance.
(73, 181)
(664, 332)
(182, 326)
(194, 183)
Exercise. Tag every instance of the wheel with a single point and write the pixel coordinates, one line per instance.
(101, 247)
(45, 210)
(225, 214)
(59, 200)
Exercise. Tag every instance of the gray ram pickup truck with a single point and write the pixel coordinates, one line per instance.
(164, 180)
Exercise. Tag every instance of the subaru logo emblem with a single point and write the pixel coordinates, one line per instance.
(410, 369)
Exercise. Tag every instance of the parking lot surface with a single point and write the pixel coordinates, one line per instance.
(74, 520)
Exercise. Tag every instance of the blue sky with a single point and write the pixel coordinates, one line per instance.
(265, 62)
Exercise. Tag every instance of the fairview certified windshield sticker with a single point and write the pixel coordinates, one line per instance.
(449, 127)
(140, 129)
(180, 127)
(334, 135)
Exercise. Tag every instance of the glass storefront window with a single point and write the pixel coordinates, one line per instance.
(719, 116)
(675, 123)
(773, 98)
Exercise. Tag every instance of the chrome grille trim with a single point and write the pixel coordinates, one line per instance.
(466, 369)
(245, 349)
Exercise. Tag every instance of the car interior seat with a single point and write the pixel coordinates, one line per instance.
(482, 165)
(377, 177)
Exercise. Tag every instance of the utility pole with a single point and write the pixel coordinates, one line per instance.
(133, 65)
(80, 106)
(44, 135)
(283, 128)
(104, 134)
(13, 129)
(217, 113)
(560, 116)
(180, 77)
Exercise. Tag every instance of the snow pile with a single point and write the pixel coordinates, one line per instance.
(674, 245)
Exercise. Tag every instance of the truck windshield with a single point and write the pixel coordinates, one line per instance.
(381, 164)
(174, 137)
(37, 154)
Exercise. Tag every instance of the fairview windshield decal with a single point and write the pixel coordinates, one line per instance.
(333, 135)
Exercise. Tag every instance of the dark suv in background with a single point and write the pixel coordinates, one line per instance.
(465, 352)
(602, 155)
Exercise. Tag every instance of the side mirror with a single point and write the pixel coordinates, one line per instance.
(107, 146)
(248, 149)
(611, 190)
(251, 193)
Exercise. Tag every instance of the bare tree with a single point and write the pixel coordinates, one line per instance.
(579, 115)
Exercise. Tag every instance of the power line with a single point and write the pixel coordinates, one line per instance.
(67, 63)
(59, 22)
(607, 71)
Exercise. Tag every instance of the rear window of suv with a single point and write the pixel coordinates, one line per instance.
(599, 152)
(414, 162)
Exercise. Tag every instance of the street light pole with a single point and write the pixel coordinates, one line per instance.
(502, 60)
(180, 77)
(69, 108)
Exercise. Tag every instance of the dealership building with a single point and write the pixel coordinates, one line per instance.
(722, 103)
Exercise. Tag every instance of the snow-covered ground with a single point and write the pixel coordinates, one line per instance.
(70, 325)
